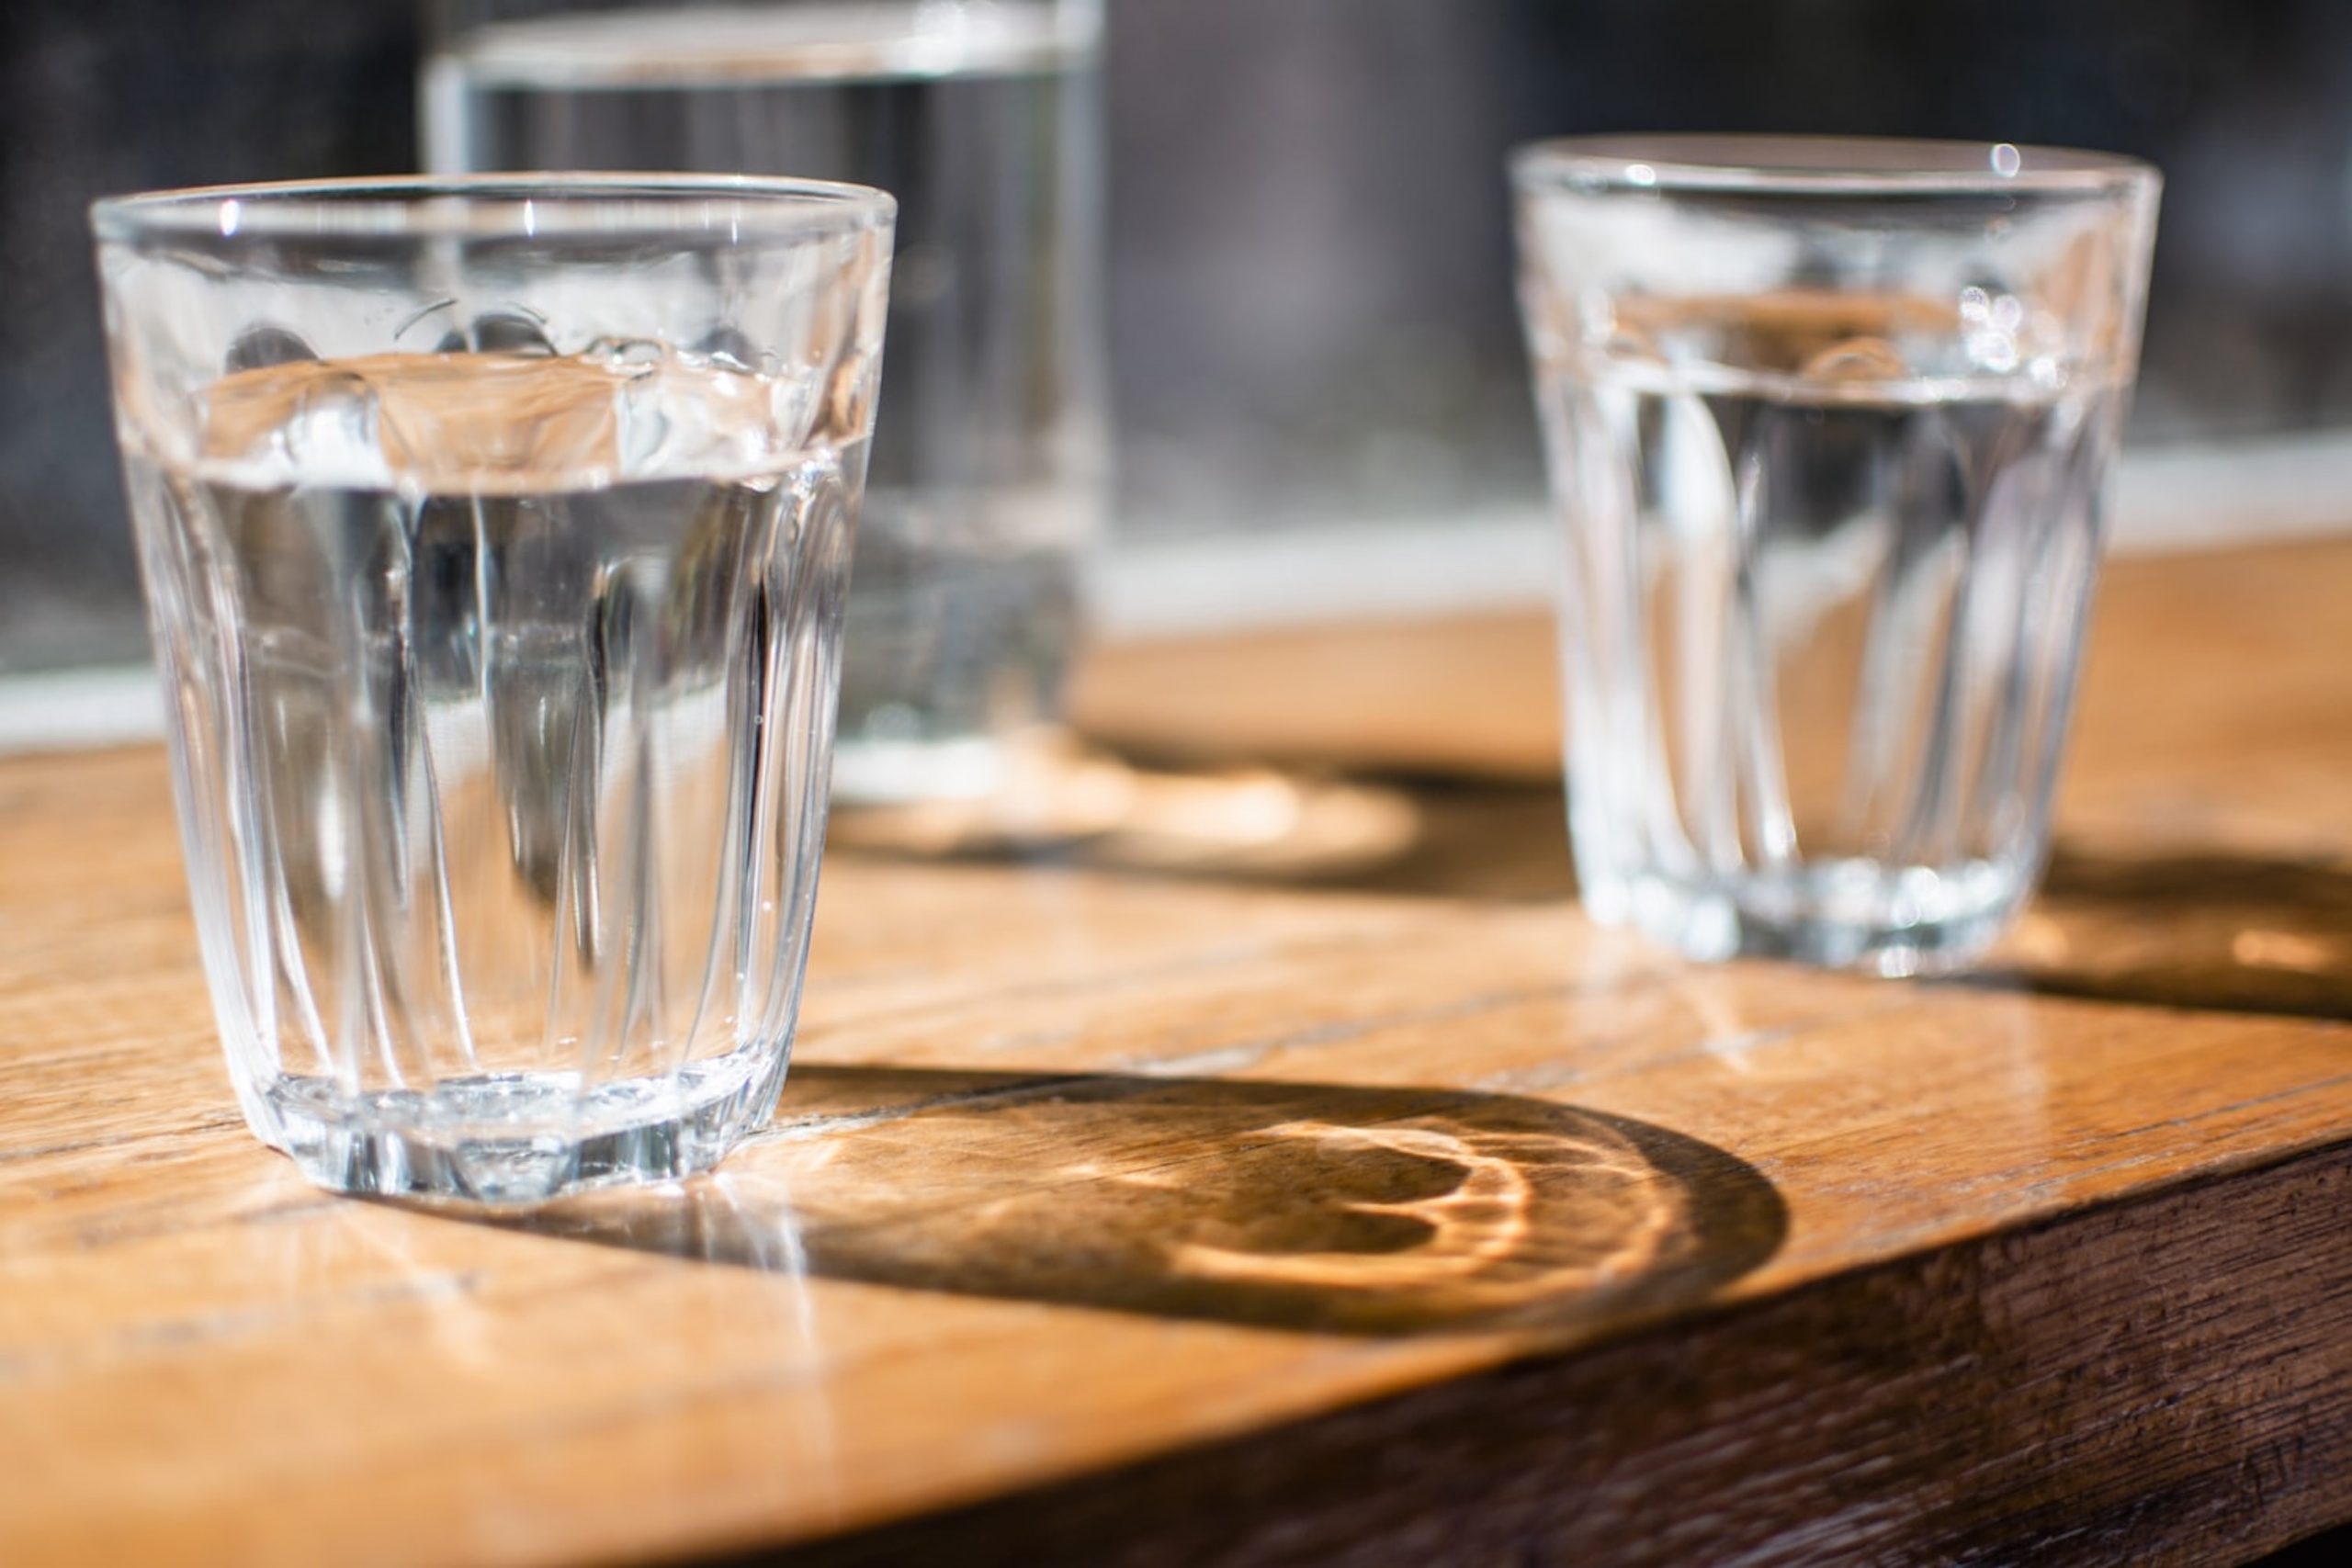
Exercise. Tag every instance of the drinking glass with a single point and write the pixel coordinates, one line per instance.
(494, 535)
(990, 465)
(1828, 425)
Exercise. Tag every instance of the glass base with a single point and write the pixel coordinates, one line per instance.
(1890, 920)
(514, 1138)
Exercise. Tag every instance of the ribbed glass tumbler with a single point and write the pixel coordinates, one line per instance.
(1830, 424)
(495, 534)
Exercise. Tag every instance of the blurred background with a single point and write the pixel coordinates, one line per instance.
(1312, 324)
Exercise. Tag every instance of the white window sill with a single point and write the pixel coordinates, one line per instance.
(2167, 500)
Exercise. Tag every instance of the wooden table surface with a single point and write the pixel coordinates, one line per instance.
(1283, 1170)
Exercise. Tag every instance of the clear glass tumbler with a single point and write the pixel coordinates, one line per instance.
(1830, 424)
(494, 535)
(982, 117)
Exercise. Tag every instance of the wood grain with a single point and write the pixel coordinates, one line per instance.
(2038, 1400)
(1284, 1173)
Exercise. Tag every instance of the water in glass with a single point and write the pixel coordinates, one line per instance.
(1821, 615)
(504, 860)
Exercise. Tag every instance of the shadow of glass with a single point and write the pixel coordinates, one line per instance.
(2206, 931)
(1305, 1206)
(1436, 837)
(2213, 931)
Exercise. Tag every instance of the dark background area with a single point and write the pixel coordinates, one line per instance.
(1311, 311)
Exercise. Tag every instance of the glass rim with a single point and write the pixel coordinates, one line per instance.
(521, 204)
(1703, 162)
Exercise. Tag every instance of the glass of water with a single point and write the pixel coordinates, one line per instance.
(990, 465)
(1830, 424)
(495, 536)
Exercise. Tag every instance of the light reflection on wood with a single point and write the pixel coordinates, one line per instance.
(1297, 1205)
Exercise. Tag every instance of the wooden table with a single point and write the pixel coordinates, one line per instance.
(1284, 1172)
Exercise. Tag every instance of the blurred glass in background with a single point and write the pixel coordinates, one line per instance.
(981, 117)
(1311, 319)
(1832, 424)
